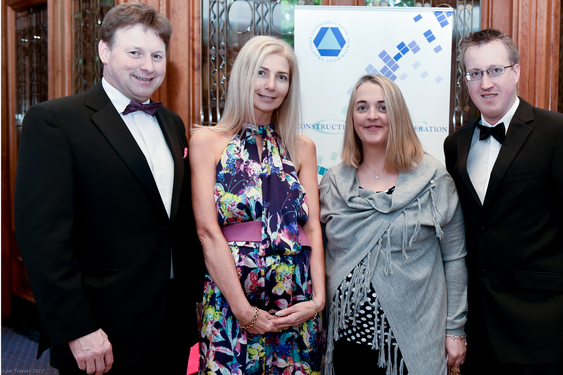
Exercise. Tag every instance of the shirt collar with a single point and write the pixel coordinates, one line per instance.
(118, 100)
(507, 118)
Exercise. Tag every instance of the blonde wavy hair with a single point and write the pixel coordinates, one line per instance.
(404, 150)
(239, 108)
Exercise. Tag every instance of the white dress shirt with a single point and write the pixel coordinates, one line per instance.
(483, 154)
(148, 135)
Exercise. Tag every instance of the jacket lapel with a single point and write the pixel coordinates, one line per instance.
(518, 132)
(114, 129)
(177, 152)
(463, 146)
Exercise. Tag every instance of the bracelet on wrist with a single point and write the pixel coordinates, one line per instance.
(316, 308)
(455, 337)
(252, 320)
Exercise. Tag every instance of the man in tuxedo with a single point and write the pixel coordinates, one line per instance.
(508, 168)
(103, 213)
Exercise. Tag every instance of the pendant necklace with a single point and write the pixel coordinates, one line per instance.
(376, 174)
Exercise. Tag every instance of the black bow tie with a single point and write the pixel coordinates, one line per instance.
(149, 109)
(497, 132)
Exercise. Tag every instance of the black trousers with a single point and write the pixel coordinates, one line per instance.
(351, 358)
(481, 360)
(493, 367)
(171, 350)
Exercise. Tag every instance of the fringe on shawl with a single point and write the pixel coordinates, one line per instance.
(439, 232)
(340, 306)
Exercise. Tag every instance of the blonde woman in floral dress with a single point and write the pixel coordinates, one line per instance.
(257, 212)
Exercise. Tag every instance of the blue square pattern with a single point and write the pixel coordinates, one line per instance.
(414, 47)
(429, 36)
(442, 18)
(390, 66)
(438, 79)
(417, 18)
(390, 75)
(416, 65)
(385, 57)
(390, 62)
(403, 76)
(424, 74)
(322, 170)
(438, 49)
(403, 49)
(371, 70)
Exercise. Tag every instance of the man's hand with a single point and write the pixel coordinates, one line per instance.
(93, 352)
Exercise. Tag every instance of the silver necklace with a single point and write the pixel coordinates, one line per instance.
(375, 173)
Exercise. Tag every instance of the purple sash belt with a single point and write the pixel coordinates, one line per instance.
(251, 231)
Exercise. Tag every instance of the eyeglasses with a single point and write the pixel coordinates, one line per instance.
(495, 71)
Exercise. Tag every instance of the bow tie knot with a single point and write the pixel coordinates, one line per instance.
(149, 109)
(498, 132)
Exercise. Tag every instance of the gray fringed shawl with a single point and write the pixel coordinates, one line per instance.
(411, 246)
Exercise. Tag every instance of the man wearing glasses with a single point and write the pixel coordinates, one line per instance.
(508, 168)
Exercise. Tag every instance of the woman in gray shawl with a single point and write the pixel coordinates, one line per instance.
(395, 252)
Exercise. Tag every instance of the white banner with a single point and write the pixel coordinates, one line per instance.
(337, 45)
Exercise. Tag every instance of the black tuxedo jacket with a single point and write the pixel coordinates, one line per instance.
(515, 238)
(93, 231)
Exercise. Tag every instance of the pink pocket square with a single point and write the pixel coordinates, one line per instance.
(185, 152)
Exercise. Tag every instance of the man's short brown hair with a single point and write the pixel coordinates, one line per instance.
(483, 37)
(130, 14)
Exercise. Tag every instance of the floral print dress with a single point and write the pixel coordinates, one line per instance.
(274, 273)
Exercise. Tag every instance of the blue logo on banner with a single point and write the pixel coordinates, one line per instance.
(329, 41)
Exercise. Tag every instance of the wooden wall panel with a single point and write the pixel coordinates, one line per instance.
(9, 105)
(534, 25)
(554, 52)
(60, 31)
(194, 19)
(177, 73)
(183, 75)
(6, 220)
